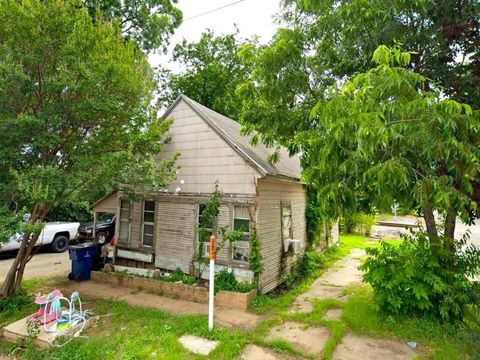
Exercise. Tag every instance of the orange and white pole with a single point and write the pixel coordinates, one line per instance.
(211, 293)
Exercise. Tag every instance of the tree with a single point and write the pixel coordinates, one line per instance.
(384, 136)
(148, 22)
(212, 71)
(75, 114)
(323, 42)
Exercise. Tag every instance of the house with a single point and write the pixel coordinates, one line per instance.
(159, 231)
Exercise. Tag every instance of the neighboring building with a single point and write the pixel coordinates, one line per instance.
(160, 230)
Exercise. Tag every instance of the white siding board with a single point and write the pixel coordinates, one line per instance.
(270, 195)
(205, 157)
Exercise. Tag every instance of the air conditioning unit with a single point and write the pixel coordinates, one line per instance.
(296, 245)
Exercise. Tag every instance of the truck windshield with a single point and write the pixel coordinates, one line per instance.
(105, 217)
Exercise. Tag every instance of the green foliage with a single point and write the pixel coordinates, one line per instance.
(179, 275)
(255, 259)
(208, 219)
(359, 223)
(439, 339)
(149, 23)
(309, 264)
(413, 279)
(76, 103)
(10, 223)
(10, 306)
(233, 236)
(73, 211)
(225, 280)
(244, 287)
(212, 71)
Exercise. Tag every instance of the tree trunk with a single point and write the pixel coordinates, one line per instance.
(431, 225)
(13, 280)
(449, 233)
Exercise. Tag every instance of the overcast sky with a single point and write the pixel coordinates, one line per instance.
(253, 17)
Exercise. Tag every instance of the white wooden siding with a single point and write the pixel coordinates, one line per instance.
(205, 157)
(108, 204)
(175, 233)
(270, 195)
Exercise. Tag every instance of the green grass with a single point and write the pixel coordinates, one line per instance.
(441, 340)
(129, 332)
(282, 298)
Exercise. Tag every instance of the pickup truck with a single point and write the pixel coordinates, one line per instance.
(56, 234)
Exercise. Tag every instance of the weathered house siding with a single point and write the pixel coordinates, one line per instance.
(205, 157)
(175, 232)
(108, 204)
(271, 193)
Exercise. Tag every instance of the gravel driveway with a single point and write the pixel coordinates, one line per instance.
(43, 264)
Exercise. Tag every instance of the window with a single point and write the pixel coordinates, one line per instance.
(287, 232)
(148, 223)
(124, 224)
(207, 229)
(241, 222)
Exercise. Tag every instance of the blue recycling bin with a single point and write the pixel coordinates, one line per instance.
(83, 258)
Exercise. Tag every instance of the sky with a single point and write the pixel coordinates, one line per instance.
(253, 17)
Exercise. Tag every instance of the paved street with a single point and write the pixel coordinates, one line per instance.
(43, 264)
(394, 231)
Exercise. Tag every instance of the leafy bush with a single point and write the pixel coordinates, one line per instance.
(412, 279)
(243, 287)
(358, 223)
(225, 280)
(14, 304)
(179, 275)
(311, 262)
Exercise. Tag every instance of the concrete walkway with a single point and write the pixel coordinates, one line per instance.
(312, 339)
(225, 317)
(331, 284)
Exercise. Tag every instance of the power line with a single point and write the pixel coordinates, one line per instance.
(213, 10)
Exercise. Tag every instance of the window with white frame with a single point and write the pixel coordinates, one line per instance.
(241, 222)
(287, 231)
(148, 223)
(206, 231)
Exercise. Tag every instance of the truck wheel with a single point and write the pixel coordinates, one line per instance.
(59, 243)
(101, 237)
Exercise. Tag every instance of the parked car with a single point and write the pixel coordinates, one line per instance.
(57, 234)
(104, 230)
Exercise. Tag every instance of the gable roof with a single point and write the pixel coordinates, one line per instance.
(229, 130)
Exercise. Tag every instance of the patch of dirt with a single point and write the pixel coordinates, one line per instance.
(333, 314)
(373, 349)
(235, 318)
(307, 339)
(254, 352)
(223, 317)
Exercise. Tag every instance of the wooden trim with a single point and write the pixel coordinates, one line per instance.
(142, 223)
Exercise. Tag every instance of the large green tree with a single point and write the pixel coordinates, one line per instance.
(76, 114)
(324, 43)
(148, 22)
(210, 72)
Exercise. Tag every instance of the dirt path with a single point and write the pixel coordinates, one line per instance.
(43, 265)
(312, 339)
(225, 317)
